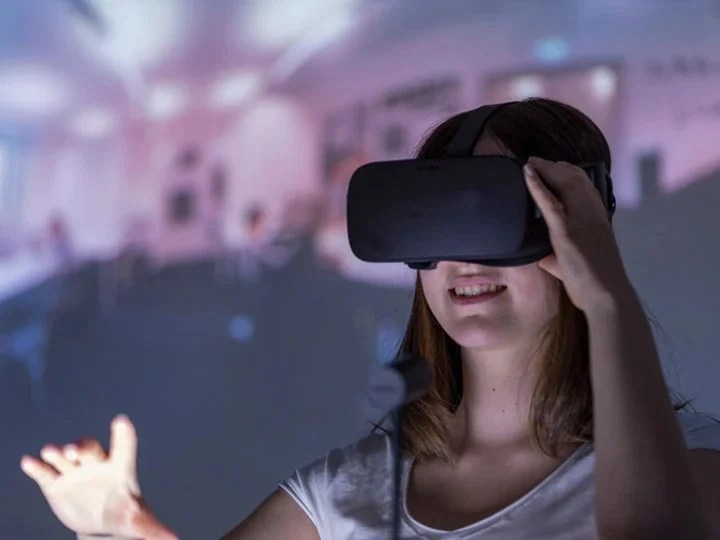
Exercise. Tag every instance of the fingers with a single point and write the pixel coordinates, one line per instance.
(70, 452)
(559, 175)
(551, 208)
(87, 451)
(41, 472)
(569, 183)
(58, 461)
(56, 457)
(123, 444)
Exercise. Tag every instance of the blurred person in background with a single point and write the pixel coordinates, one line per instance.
(133, 253)
(60, 244)
(259, 244)
(215, 220)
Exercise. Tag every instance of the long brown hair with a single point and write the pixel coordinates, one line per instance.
(561, 409)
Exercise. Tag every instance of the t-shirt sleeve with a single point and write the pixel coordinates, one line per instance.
(309, 486)
(702, 431)
(328, 488)
(302, 487)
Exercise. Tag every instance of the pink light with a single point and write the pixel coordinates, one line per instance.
(279, 23)
(526, 86)
(28, 90)
(166, 101)
(235, 89)
(93, 123)
(604, 82)
(139, 33)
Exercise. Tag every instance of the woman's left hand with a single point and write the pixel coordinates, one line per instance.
(586, 257)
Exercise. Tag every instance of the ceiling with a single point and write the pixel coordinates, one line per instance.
(59, 57)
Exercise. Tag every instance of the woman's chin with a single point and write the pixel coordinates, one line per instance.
(480, 340)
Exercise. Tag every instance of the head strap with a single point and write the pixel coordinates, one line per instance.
(463, 142)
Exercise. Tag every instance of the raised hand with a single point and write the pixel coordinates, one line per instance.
(93, 492)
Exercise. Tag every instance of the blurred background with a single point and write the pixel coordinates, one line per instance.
(172, 234)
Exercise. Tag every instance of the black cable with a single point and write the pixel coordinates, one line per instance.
(390, 388)
(397, 471)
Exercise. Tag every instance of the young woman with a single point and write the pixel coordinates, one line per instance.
(549, 417)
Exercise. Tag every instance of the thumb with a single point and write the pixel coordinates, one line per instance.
(123, 445)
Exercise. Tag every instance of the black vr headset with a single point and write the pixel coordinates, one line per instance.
(458, 207)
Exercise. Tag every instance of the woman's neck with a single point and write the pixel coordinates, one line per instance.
(497, 394)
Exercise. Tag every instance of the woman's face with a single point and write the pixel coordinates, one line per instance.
(514, 315)
(526, 302)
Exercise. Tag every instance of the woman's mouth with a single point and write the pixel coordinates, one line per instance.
(475, 294)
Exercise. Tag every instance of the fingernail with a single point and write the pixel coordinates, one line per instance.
(529, 172)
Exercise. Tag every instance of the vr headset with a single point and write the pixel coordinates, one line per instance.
(458, 207)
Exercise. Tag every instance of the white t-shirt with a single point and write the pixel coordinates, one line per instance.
(348, 494)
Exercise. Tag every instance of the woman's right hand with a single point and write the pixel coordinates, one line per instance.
(92, 492)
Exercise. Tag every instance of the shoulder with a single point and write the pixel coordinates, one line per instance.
(359, 458)
(701, 430)
(335, 484)
(344, 468)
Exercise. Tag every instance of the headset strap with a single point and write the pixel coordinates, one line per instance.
(463, 142)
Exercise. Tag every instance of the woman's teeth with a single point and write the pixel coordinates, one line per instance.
(476, 290)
